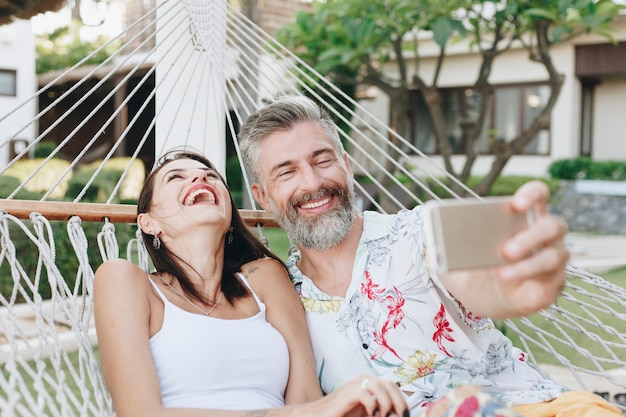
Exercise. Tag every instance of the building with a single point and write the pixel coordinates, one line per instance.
(18, 84)
(588, 118)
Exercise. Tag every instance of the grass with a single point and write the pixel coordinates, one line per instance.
(279, 243)
(581, 349)
(49, 386)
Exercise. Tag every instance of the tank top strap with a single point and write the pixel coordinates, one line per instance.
(256, 297)
(158, 290)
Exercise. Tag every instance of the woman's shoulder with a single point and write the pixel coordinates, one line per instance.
(120, 271)
(262, 267)
(118, 264)
(265, 271)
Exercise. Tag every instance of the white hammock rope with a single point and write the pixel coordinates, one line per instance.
(194, 57)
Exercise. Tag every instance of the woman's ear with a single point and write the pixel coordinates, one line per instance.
(146, 224)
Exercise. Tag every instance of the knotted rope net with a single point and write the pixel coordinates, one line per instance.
(188, 73)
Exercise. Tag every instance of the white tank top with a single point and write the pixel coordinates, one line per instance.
(207, 362)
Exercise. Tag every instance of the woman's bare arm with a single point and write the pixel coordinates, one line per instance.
(285, 312)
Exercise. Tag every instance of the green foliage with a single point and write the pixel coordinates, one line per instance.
(8, 184)
(43, 149)
(329, 44)
(584, 168)
(234, 179)
(503, 186)
(66, 260)
(64, 48)
(508, 184)
(98, 191)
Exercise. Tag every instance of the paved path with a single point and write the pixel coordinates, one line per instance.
(597, 253)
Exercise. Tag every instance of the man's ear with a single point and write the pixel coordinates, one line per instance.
(259, 195)
(346, 162)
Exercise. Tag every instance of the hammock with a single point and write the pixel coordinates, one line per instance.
(188, 72)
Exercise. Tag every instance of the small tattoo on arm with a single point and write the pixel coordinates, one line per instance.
(252, 270)
(257, 413)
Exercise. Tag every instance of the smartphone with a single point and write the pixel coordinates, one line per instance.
(467, 234)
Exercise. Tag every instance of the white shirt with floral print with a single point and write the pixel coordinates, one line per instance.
(397, 321)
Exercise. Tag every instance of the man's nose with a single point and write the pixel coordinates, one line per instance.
(310, 179)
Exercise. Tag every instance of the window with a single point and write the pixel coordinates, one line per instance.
(511, 109)
(8, 83)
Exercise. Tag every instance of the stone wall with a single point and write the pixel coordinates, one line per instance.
(590, 212)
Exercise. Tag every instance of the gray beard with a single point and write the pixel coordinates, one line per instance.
(319, 233)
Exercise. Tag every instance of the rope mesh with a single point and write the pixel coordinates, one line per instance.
(177, 64)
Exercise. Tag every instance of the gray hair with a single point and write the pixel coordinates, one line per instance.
(278, 115)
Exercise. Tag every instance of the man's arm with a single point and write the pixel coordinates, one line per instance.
(535, 275)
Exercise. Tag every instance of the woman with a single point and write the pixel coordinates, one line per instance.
(218, 325)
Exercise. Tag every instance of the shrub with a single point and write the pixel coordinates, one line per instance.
(99, 190)
(584, 168)
(45, 177)
(8, 184)
(43, 149)
(65, 257)
(503, 186)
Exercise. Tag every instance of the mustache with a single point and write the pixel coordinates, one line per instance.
(324, 191)
(321, 193)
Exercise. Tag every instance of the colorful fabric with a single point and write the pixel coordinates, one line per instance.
(469, 402)
(571, 404)
(397, 321)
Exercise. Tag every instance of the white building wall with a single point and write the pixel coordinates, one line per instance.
(17, 52)
(460, 69)
(609, 129)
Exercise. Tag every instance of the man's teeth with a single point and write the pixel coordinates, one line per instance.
(315, 204)
(191, 198)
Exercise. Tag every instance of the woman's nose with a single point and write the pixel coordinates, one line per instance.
(199, 175)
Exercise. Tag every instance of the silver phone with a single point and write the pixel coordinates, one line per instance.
(467, 234)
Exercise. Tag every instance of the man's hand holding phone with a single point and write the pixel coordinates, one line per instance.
(514, 267)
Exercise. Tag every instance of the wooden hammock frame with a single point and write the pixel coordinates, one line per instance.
(100, 212)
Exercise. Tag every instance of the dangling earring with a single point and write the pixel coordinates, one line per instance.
(156, 242)
(230, 236)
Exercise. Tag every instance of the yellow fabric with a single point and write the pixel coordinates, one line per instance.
(571, 404)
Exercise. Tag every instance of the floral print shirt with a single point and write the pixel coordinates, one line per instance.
(397, 321)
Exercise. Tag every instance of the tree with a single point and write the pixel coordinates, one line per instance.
(64, 47)
(351, 40)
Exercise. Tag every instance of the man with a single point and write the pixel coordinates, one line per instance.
(372, 303)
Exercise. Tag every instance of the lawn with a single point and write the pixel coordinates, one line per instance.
(278, 241)
(591, 330)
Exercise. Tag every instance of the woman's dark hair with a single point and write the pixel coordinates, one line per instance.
(245, 246)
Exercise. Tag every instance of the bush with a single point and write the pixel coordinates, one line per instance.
(508, 184)
(45, 177)
(65, 257)
(8, 184)
(503, 186)
(44, 148)
(584, 168)
(98, 190)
